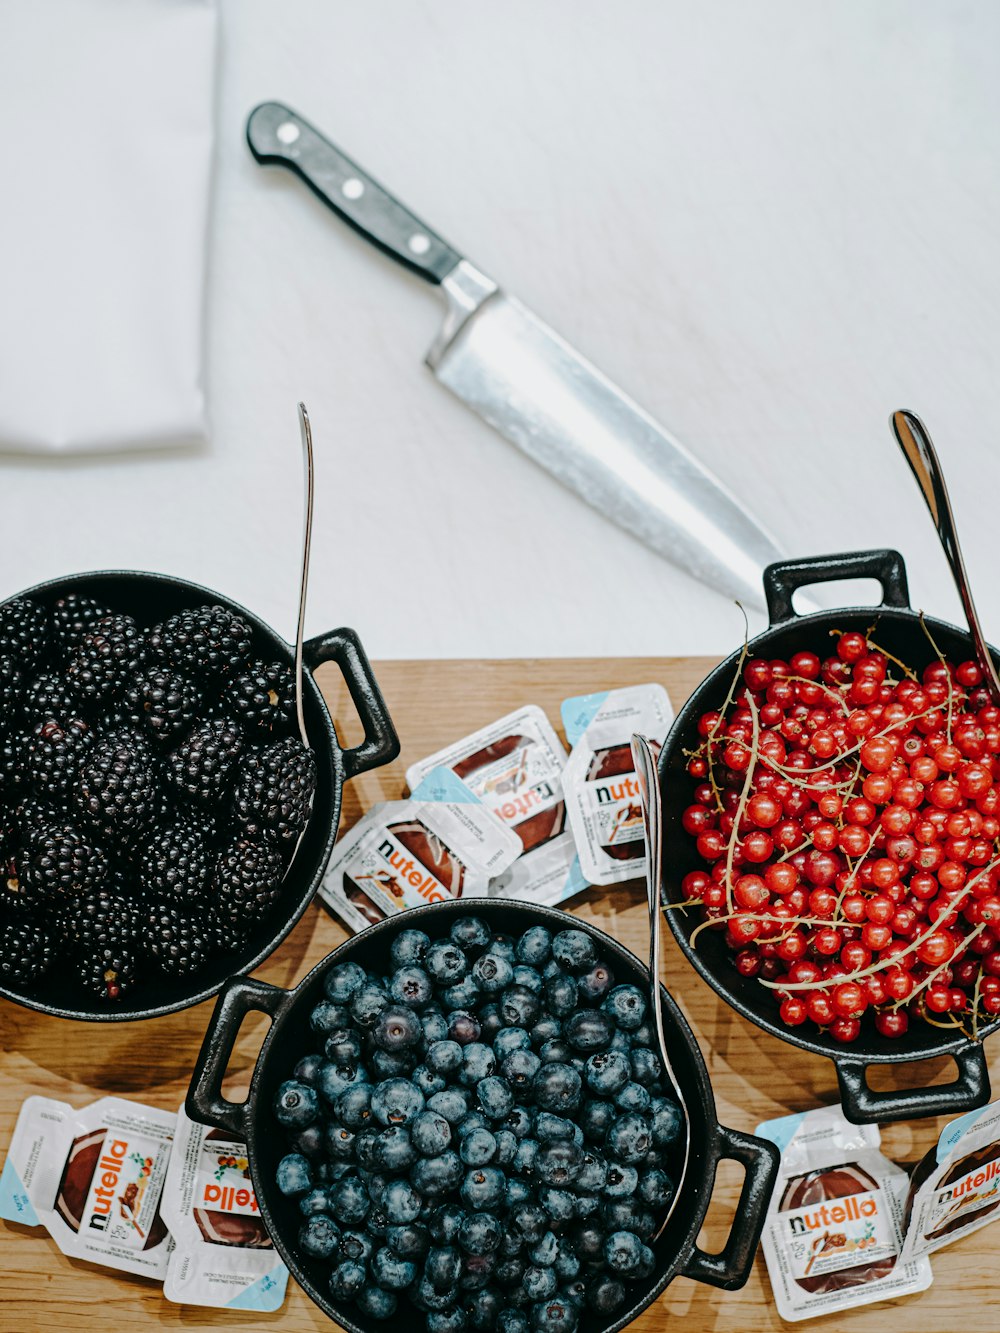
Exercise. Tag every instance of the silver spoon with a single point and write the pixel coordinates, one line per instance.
(310, 495)
(652, 818)
(919, 451)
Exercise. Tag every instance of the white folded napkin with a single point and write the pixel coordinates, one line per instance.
(106, 107)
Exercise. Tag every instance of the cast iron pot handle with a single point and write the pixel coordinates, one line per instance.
(381, 744)
(731, 1268)
(783, 579)
(864, 1107)
(205, 1102)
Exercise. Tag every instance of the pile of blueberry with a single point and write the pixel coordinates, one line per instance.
(485, 1135)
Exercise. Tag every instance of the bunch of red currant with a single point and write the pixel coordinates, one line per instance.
(850, 821)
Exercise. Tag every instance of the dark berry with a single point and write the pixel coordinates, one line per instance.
(295, 1104)
(248, 878)
(176, 861)
(26, 953)
(275, 788)
(73, 616)
(107, 656)
(24, 632)
(12, 683)
(408, 948)
(557, 1088)
(294, 1174)
(102, 918)
(175, 938)
(162, 701)
(108, 973)
(48, 695)
(261, 696)
(396, 1102)
(207, 640)
(60, 861)
(53, 755)
(203, 764)
(118, 789)
(320, 1237)
(445, 963)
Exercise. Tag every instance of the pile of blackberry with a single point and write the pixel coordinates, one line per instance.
(485, 1134)
(152, 790)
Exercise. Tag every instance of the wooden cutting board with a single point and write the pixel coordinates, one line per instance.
(755, 1076)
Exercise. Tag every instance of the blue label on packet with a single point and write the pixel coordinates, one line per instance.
(442, 785)
(782, 1131)
(15, 1205)
(579, 712)
(265, 1294)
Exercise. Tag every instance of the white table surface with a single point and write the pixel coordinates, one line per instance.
(772, 223)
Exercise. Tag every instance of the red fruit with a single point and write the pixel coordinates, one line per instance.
(892, 1022)
(845, 1030)
(793, 1011)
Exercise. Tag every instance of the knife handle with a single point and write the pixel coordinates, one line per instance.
(277, 134)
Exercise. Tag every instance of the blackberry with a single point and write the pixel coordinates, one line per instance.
(109, 972)
(201, 766)
(54, 753)
(275, 789)
(176, 862)
(118, 789)
(262, 696)
(176, 939)
(11, 685)
(73, 616)
(162, 701)
(248, 879)
(26, 953)
(206, 639)
(48, 696)
(24, 632)
(104, 919)
(224, 934)
(12, 774)
(107, 656)
(60, 861)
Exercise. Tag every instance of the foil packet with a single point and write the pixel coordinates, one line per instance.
(515, 767)
(602, 791)
(955, 1188)
(834, 1230)
(443, 842)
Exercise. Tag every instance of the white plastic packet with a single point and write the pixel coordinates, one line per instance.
(223, 1255)
(441, 843)
(515, 766)
(955, 1189)
(602, 791)
(833, 1233)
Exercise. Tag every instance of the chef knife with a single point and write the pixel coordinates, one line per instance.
(532, 387)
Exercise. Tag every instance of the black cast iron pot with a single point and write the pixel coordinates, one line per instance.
(150, 598)
(290, 1037)
(897, 629)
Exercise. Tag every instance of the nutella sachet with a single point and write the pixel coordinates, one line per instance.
(515, 767)
(955, 1189)
(222, 1254)
(93, 1179)
(443, 842)
(833, 1233)
(602, 791)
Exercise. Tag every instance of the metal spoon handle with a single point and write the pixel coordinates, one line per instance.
(652, 814)
(918, 450)
(310, 490)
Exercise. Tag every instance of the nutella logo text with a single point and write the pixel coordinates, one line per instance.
(851, 1209)
(609, 792)
(228, 1198)
(107, 1173)
(972, 1183)
(411, 872)
(515, 808)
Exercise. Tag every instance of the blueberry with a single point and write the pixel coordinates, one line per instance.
(346, 1280)
(621, 1041)
(316, 1201)
(376, 1302)
(645, 1066)
(408, 948)
(620, 1182)
(391, 1272)
(543, 1252)
(596, 1119)
(445, 963)
(434, 1176)
(434, 1025)
(588, 1030)
(430, 1133)
(549, 1128)
(557, 1203)
(629, 1138)
(353, 1106)
(407, 1241)
(397, 1028)
(519, 1069)
(342, 1047)
(463, 1027)
(556, 1052)
(480, 1233)
(605, 1294)
(560, 994)
(512, 1321)
(427, 1082)
(586, 1205)
(453, 1320)
(319, 1237)
(646, 1266)
(394, 1151)
(574, 950)
(626, 1005)
(528, 976)
(492, 973)
(511, 1243)
(559, 1163)
(495, 1097)
(520, 1122)
(506, 1147)
(444, 1057)
(443, 1267)
(592, 987)
(342, 981)
(412, 986)
(465, 994)
(633, 1097)
(470, 933)
(519, 1007)
(490, 1022)
(294, 1175)
(592, 1173)
(328, 1017)
(540, 1283)
(546, 1029)
(628, 1215)
(557, 1088)
(483, 1187)
(296, 1104)
(367, 1003)
(336, 1079)
(606, 1073)
(555, 1315)
(309, 1141)
(574, 1291)
(470, 1121)
(452, 1104)
(478, 1062)
(518, 1192)
(588, 1239)
(534, 946)
(477, 1147)
(622, 1251)
(365, 1147)
(551, 969)
(355, 1245)
(508, 1040)
(392, 1064)
(307, 1069)
(444, 1223)
(377, 1223)
(526, 1157)
(427, 1297)
(668, 1123)
(351, 1203)
(566, 1264)
(396, 1102)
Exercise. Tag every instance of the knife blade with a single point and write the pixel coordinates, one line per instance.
(530, 385)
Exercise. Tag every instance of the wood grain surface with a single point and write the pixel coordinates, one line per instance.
(755, 1076)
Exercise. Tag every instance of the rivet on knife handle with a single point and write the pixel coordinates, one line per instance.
(276, 134)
